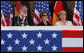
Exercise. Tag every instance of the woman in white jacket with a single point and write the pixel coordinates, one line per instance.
(62, 15)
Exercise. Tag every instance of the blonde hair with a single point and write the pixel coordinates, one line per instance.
(61, 13)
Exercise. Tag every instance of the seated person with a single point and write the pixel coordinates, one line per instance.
(22, 19)
(62, 15)
(44, 16)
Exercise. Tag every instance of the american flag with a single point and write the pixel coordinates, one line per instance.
(78, 13)
(41, 6)
(41, 40)
(6, 13)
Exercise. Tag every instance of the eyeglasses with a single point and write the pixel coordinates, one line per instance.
(44, 15)
(62, 15)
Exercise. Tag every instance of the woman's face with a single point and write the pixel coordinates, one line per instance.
(63, 16)
(45, 16)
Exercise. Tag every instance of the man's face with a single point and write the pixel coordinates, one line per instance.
(24, 11)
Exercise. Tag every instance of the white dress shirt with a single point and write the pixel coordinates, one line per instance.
(23, 18)
(59, 23)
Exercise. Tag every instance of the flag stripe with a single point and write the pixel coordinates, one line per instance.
(8, 19)
(72, 49)
(37, 18)
(11, 16)
(75, 21)
(55, 19)
(2, 22)
(72, 33)
(76, 11)
(34, 23)
(76, 16)
(58, 3)
(80, 22)
(72, 42)
(37, 13)
(50, 19)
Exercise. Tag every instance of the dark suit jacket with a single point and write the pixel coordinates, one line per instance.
(42, 24)
(17, 18)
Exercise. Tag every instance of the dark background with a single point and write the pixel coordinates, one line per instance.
(67, 5)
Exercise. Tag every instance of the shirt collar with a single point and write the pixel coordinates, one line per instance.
(21, 17)
(62, 23)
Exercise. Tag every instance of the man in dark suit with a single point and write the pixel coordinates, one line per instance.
(22, 19)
